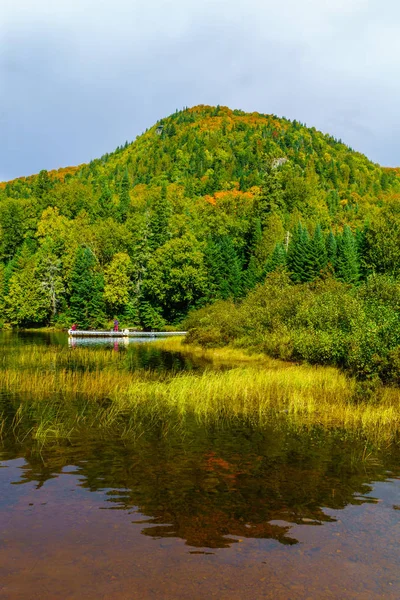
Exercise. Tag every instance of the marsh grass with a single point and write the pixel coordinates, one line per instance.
(57, 392)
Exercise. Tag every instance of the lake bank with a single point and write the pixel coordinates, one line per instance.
(230, 384)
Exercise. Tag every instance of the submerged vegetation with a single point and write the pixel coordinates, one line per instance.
(52, 395)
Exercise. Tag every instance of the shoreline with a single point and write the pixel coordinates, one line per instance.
(46, 381)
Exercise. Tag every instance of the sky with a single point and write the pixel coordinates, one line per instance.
(80, 77)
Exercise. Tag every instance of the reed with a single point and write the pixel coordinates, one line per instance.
(60, 391)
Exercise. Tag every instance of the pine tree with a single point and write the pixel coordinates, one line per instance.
(253, 239)
(332, 202)
(317, 254)
(252, 274)
(278, 258)
(331, 249)
(298, 255)
(151, 316)
(224, 268)
(347, 264)
(159, 220)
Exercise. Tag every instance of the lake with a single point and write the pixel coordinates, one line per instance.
(201, 511)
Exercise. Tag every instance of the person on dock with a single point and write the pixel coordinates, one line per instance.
(116, 324)
(73, 327)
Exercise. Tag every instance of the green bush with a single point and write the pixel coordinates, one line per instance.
(328, 322)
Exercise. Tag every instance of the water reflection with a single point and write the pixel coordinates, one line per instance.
(162, 513)
(215, 487)
(135, 353)
(116, 342)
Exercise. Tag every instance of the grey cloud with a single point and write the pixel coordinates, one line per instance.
(78, 78)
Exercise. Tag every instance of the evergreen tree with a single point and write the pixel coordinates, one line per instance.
(42, 184)
(159, 220)
(131, 314)
(106, 201)
(317, 254)
(151, 316)
(332, 202)
(278, 258)
(253, 238)
(331, 249)
(124, 197)
(298, 255)
(271, 197)
(252, 274)
(347, 264)
(86, 291)
(224, 268)
(362, 245)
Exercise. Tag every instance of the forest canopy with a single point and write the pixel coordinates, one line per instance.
(200, 208)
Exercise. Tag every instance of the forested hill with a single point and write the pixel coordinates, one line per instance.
(200, 207)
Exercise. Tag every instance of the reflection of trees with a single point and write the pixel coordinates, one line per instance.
(213, 485)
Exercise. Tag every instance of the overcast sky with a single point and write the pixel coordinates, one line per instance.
(79, 77)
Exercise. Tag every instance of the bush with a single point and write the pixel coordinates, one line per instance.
(327, 322)
(213, 326)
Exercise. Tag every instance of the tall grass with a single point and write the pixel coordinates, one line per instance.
(58, 391)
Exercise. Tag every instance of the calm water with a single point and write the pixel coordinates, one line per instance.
(232, 512)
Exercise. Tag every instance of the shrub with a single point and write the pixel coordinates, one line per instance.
(327, 322)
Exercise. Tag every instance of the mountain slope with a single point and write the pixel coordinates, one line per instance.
(199, 207)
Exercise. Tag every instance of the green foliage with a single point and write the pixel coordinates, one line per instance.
(86, 286)
(159, 220)
(151, 317)
(27, 302)
(317, 254)
(200, 212)
(333, 202)
(331, 249)
(278, 259)
(42, 184)
(224, 268)
(299, 260)
(124, 197)
(106, 204)
(213, 326)
(382, 253)
(13, 226)
(176, 277)
(118, 285)
(328, 322)
(49, 276)
(347, 260)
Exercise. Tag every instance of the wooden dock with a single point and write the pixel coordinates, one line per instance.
(124, 333)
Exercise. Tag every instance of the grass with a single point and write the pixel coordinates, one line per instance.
(58, 391)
